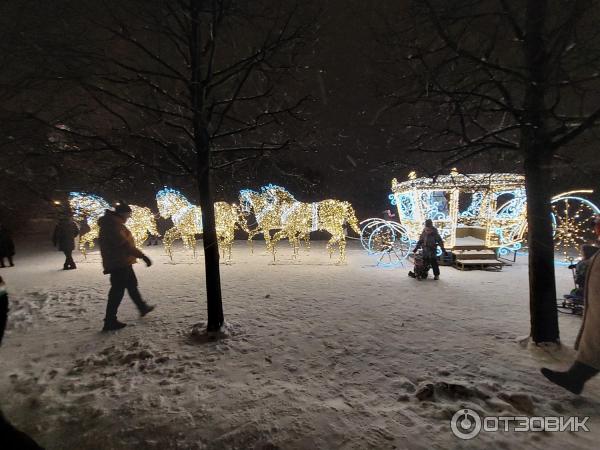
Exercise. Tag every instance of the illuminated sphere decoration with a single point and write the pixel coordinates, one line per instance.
(572, 216)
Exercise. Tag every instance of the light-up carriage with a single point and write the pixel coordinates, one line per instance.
(477, 215)
(483, 211)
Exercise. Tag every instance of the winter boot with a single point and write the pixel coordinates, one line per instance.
(437, 277)
(113, 324)
(573, 379)
(146, 309)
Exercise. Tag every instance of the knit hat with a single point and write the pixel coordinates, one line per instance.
(122, 208)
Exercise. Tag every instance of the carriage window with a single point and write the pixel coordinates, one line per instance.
(436, 204)
(503, 200)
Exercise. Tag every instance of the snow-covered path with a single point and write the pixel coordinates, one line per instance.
(321, 356)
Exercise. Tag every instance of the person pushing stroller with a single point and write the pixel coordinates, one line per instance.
(429, 240)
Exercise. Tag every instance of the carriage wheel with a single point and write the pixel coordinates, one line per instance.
(386, 241)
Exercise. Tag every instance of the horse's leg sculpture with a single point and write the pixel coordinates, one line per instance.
(171, 235)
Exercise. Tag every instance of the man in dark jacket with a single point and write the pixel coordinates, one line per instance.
(429, 240)
(7, 246)
(64, 238)
(119, 253)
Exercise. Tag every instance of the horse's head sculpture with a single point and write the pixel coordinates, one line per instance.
(87, 207)
(171, 202)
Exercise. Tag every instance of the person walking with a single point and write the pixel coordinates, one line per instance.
(587, 344)
(119, 253)
(429, 240)
(7, 246)
(64, 238)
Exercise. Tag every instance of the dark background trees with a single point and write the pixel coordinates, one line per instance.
(511, 85)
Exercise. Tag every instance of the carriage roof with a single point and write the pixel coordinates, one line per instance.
(464, 182)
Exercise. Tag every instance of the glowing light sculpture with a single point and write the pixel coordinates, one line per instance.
(187, 221)
(498, 207)
(501, 226)
(385, 240)
(89, 208)
(571, 221)
(268, 207)
(276, 209)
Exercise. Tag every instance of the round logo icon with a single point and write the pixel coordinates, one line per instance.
(465, 424)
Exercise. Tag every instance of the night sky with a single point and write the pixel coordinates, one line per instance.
(342, 148)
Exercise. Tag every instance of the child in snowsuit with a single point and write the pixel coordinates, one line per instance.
(429, 240)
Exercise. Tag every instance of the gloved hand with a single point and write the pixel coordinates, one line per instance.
(147, 260)
(572, 266)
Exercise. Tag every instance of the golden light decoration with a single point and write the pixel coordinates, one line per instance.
(89, 208)
(495, 213)
(572, 217)
(276, 208)
(187, 221)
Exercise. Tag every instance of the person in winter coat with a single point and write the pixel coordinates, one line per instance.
(64, 238)
(119, 253)
(7, 246)
(10, 437)
(597, 227)
(587, 344)
(587, 251)
(3, 308)
(429, 240)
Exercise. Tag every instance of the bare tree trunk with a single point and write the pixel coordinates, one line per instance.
(538, 159)
(214, 302)
(542, 286)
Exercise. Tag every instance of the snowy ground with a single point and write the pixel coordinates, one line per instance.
(322, 357)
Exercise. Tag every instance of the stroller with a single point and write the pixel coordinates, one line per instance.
(421, 269)
(572, 302)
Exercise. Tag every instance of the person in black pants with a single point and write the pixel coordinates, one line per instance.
(119, 253)
(7, 246)
(64, 238)
(429, 240)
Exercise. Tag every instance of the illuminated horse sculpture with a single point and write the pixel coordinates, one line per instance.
(327, 215)
(89, 208)
(187, 221)
(268, 207)
(276, 208)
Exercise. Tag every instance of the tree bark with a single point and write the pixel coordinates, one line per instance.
(542, 286)
(538, 159)
(214, 303)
